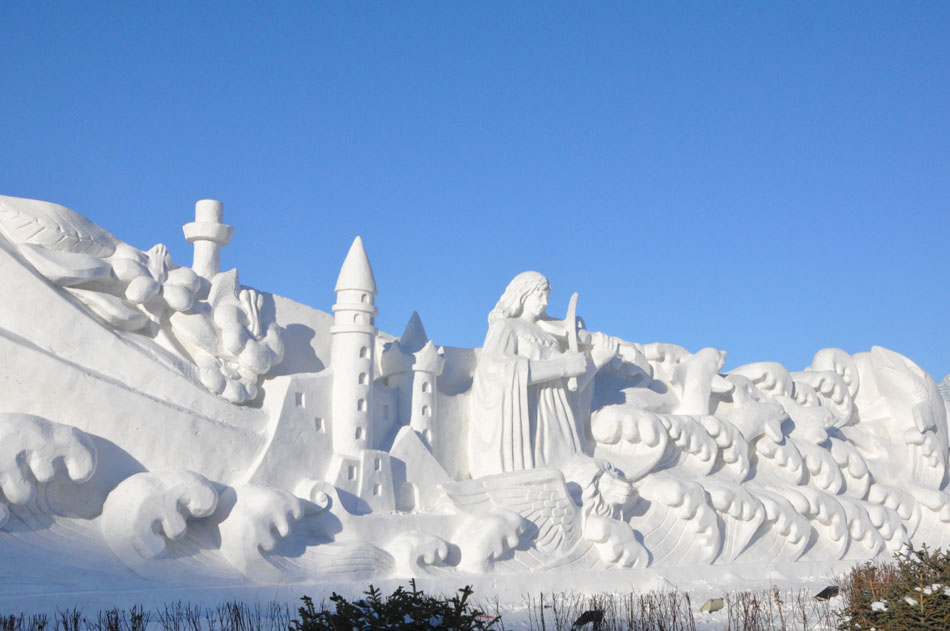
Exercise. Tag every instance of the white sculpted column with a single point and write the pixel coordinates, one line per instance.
(207, 234)
(351, 353)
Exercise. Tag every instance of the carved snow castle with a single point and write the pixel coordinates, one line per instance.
(165, 424)
(373, 393)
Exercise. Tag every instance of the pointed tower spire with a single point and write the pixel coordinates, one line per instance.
(352, 352)
(356, 272)
(414, 337)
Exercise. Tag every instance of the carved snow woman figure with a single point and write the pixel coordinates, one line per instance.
(521, 411)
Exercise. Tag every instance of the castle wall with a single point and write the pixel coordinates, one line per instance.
(300, 442)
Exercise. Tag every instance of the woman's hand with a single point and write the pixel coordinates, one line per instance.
(573, 364)
(567, 364)
(605, 348)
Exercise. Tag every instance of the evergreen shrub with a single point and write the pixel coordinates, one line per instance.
(403, 610)
(911, 594)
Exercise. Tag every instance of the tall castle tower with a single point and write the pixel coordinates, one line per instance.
(351, 353)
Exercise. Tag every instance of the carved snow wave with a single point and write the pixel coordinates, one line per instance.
(147, 509)
(682, 464)
(34, 451)
(746, 497)
(174, 526)
(782, 467)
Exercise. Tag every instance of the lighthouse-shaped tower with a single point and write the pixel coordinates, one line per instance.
(351, 353)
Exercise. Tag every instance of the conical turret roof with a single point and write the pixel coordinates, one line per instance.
(414, 337)
(356, 272)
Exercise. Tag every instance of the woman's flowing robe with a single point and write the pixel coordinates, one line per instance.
(514, 425)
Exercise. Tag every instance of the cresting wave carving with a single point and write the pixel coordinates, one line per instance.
(195, 448)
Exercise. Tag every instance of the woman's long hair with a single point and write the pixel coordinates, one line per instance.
(512, 301)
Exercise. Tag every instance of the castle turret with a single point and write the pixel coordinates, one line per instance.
(412, 364)
(351, 353)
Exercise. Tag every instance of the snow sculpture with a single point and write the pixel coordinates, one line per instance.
(148, 511)
(521, 412)
(197, 315)
(33, 450)
(167, 438)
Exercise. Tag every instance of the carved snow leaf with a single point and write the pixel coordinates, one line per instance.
(65, 268)
(114, 311)
(53, 227)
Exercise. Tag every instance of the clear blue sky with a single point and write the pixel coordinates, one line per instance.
(767, 178)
